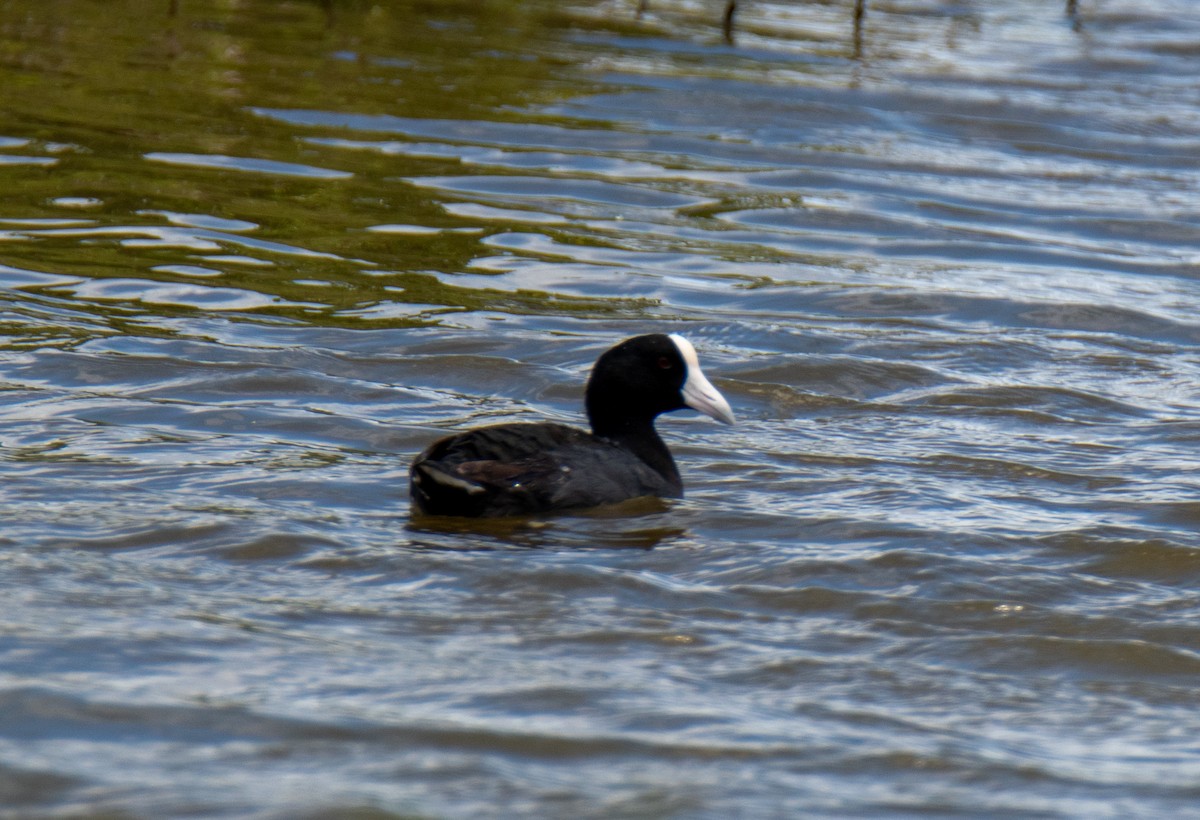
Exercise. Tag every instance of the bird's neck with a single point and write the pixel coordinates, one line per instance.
(639, 437)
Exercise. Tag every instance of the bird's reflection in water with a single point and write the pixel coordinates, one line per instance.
(639, 523)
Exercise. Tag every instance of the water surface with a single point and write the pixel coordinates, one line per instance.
(254, 256)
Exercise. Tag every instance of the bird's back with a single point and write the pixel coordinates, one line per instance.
(516, 469)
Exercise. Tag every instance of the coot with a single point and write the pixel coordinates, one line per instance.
(523, 468)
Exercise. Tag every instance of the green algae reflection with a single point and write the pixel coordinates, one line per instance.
(141, 182)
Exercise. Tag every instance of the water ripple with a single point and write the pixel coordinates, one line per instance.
(942, 266)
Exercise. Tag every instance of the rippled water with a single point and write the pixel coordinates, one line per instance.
(256, 255)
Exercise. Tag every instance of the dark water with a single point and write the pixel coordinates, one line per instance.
(255, 255)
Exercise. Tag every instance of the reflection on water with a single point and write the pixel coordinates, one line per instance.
(642, 523)
(255, 256)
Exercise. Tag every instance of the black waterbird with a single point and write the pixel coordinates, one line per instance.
(523, 468)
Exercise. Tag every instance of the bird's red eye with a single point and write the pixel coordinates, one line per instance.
(664, 363)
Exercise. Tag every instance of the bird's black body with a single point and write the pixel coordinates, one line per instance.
(516, 469)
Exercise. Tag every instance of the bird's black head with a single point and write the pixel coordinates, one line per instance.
(642, 377)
